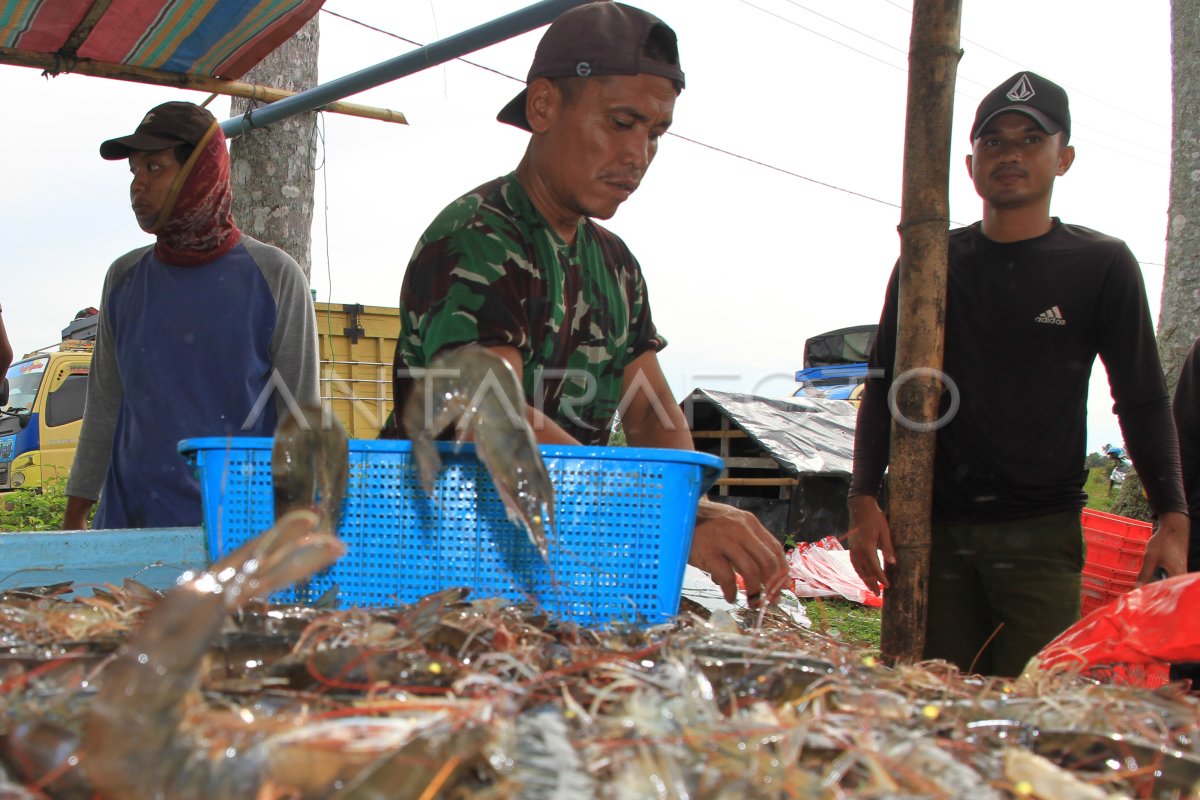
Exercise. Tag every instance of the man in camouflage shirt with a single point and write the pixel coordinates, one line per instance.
(519, 266)
(576, 314)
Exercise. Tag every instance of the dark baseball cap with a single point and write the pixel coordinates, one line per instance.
(601, 38)
(163, 127)
(1043, 101)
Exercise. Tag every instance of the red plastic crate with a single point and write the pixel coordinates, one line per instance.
(1149, 676)
(1102, 526)
(1114, 541)
(1102, 585)
(1116, 547)
(1126, 554)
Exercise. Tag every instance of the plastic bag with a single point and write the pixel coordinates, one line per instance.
(823, 569)
(1151, 624)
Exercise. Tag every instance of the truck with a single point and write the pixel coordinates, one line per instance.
(835, 363)
(40, 423)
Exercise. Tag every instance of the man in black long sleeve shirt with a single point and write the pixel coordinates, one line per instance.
(1031, 302)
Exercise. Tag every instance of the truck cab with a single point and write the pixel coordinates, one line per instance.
(40, 423)
(835, 364)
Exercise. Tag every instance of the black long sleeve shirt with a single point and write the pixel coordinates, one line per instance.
(1024, 324)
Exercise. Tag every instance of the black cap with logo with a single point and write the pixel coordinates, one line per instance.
(164, 126)
(1028, 93)
(601, 38)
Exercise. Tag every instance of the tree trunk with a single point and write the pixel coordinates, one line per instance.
(924, 245)
(273, 167)
(1179, 314)
(1179, 311)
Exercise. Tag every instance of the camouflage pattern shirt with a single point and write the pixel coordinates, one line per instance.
(490, 270)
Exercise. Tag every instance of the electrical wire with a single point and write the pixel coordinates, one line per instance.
(823, 36)
(889, 45)
(1074, 90)
(782, 170)
(960, 78)
(669, 133)
(721, 150)
(416, 43)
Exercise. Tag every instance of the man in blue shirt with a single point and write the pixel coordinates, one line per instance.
(207, 332)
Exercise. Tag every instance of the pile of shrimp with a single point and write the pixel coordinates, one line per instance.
(210, 692)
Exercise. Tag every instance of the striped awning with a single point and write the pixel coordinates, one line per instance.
(212, 38)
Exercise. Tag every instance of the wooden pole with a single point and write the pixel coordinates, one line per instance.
(924, 238)
(54, 65)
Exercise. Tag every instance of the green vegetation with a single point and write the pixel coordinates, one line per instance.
(845, 620)
(1100, 498)
(1130, 500)
(33, 510)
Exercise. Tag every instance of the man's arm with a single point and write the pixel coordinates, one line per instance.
(727, 541)
(1130, 355)
(869, 532)
(294, 349)
(104, 396)
(75, 518)
(545, 429)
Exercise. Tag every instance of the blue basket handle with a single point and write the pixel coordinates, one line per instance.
(709, 477)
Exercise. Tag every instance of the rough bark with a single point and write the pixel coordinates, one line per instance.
(1179, 312)
(924, 231)
(1130, 501)
(272, 167)
(1179, 315)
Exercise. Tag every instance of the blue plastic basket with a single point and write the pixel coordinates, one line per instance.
(624, 526)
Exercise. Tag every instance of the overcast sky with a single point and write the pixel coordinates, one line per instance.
(774, 220)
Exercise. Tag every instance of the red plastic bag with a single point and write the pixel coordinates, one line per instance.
(1151, 624)
(823, 569)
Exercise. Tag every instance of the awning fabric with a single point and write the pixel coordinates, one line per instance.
(214, 38)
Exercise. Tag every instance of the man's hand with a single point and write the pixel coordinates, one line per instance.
(77, 513)
(729, 540)
(1167, 548)
(869, 533)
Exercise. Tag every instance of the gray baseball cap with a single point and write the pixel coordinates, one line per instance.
(595, 39)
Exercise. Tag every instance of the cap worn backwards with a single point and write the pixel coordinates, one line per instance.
(164, 126)
(596, 39)
(1028, 93)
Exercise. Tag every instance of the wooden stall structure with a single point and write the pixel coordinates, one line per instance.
(786, 460)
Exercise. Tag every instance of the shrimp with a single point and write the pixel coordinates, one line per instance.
(309, 464)
(480, 391)
(134, 745)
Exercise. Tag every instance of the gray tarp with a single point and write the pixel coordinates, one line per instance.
(805, 435)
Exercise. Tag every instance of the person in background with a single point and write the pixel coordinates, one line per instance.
(520, 266)
(206, 332)
(1186, 409)
(1121, 465)
(1030, 303)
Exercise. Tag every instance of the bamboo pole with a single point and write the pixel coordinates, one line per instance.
(54, 65)
(924, 238)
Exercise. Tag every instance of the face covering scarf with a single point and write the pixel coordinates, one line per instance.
(196, 224)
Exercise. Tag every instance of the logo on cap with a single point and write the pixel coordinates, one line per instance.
(1021, 91)
(583, 69)
(148, 119)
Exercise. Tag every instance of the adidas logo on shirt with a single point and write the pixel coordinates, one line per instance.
(1051, 316)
